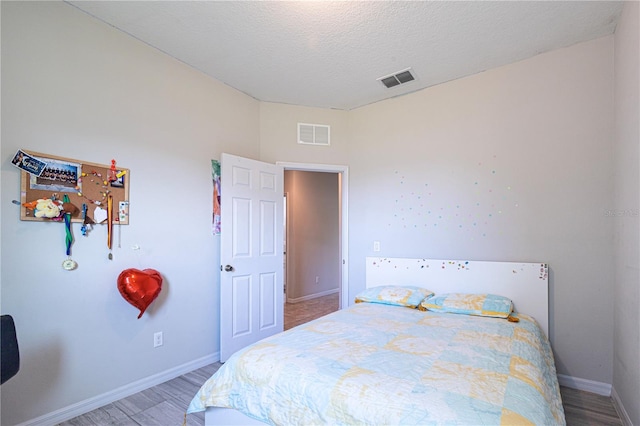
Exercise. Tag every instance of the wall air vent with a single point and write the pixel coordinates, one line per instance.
(314, 134)
(397, 78)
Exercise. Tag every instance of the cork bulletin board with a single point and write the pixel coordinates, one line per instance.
(83, 182)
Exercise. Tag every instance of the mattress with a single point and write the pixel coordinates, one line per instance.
(380, 364)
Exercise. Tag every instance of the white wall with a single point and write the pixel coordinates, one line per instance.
(74, 87)
(626, 208)
(313, 234)
(510, 164)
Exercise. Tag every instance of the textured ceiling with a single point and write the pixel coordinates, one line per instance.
(330, 54)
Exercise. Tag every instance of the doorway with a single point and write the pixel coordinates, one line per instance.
(315, 240)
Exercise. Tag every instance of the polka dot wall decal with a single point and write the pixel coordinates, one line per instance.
(489, 202)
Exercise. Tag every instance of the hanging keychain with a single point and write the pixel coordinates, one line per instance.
(87, 222)
(69, 264)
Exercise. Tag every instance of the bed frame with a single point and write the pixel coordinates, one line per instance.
(526, 284)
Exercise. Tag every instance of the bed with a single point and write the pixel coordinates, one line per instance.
(382, 362)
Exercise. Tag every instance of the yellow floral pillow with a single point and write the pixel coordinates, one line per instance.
(409, 296)
(486, 305)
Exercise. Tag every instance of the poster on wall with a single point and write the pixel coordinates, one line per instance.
(215, 175)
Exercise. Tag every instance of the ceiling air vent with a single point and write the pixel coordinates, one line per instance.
(397, 78)
(313, 134)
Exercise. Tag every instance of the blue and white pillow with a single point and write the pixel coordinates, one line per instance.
(409, 296)
(486, 305)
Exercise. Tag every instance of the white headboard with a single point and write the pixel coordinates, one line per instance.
(526, 284)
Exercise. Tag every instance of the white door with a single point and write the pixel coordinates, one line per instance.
(251, 284)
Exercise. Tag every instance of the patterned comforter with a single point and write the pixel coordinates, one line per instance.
(380, 364)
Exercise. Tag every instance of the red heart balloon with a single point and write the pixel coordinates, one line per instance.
(140, 288)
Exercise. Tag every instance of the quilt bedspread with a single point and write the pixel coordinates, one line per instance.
(380, 364)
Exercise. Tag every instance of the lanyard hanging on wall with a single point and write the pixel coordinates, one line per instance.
(110, 225)
(69, 264)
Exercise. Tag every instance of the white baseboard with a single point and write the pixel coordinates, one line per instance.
(98, 401)
(617, 403)
(592, 386)
(312, 296)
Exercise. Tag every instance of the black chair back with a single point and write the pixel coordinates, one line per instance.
(10, 362)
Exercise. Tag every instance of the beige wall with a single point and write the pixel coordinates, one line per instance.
(313, 234)
(74, 87)
(511, 164)
(278, 134)
(626, 206)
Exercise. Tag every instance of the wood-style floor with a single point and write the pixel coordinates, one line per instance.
(165, 404)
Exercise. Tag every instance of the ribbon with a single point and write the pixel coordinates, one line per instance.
(109, 221)
(67, 225)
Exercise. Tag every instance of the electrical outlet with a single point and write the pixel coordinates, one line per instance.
(376, 246)
(317, 280)
(157, 339)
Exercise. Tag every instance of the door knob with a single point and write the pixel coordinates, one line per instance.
(228, 268)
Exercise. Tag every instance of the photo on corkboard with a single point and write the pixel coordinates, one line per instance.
(57, 176)
(28, 163)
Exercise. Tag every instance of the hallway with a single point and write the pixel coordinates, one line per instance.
(299, 313)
